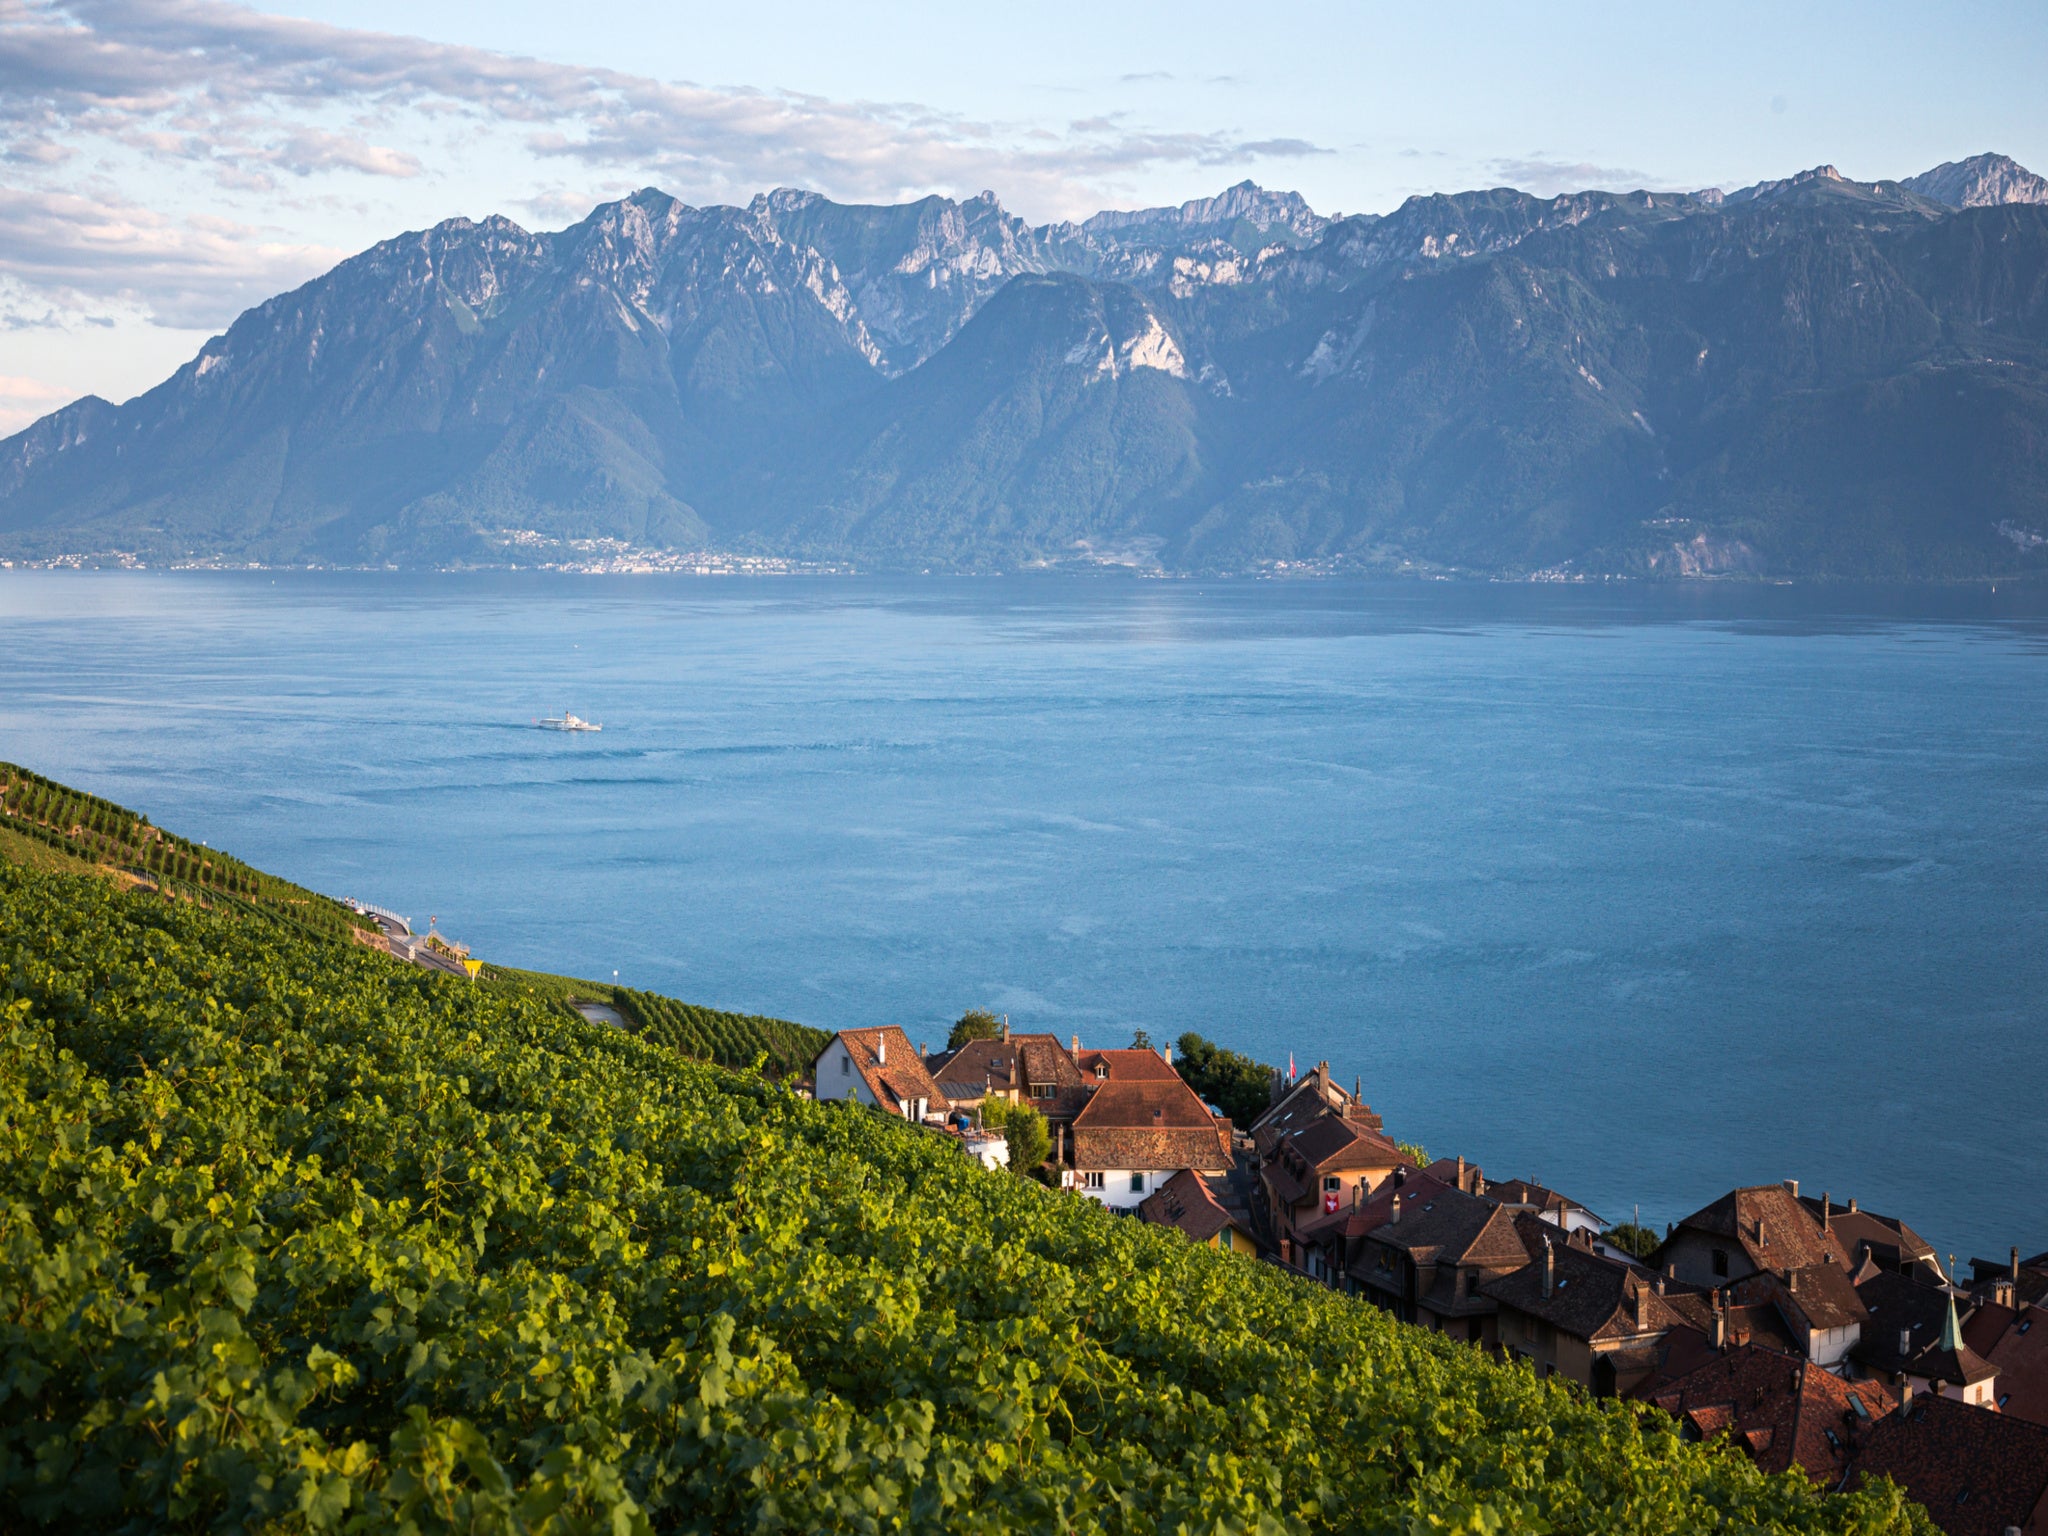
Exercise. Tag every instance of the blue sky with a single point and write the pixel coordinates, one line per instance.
(166, 163)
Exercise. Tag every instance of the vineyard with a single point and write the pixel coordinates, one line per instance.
(293, 1238)
(100, 833)
(730, 1039)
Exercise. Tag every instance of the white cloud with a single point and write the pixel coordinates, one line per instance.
(205, 81)
(1547, 176)
(68, 257)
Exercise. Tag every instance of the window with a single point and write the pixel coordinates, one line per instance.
(1137, 1183)
(846, 1066)
(1091, 1181)
(1332, 1181)
(1721, 1261)
(1041, 1090)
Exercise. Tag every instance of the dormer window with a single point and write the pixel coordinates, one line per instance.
(1041, 1090)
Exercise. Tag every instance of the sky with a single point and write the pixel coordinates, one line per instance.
(165, 164)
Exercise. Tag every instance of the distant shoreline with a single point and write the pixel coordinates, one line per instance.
(702, 567)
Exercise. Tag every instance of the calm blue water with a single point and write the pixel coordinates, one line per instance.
(1639, 893)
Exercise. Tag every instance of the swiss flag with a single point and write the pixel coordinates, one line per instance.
(1329, 1202)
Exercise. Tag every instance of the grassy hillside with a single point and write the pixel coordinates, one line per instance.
(295, 1238)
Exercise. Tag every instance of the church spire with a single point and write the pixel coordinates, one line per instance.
(1951, 1329)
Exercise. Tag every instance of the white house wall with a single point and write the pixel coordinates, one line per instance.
(836, 1078)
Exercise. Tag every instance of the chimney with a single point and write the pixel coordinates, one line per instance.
(1827, 1212)
(1660, 1285)
(1718, 1324)
(1166, 1050)
(1642, 1308)
(1549, 1269)
(2014, 1271)
(1905, 1341)
(1395, 1219)
(1357, 1089)
(1075, 1046)
(881, 1050)
(1852, 1205)
(1905, 1395)
(1358, 1194)
(1461, 1170)
(1792, 1188)
(1006, 1029)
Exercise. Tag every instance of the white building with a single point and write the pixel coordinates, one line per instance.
(1136, 1134)
(881, 1069)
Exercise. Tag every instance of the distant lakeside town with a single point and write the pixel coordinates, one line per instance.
(1813, 1333)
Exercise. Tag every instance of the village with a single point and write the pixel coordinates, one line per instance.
(1811, 1332)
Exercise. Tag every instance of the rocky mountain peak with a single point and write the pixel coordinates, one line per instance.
(1982, 181)
(1247, 202)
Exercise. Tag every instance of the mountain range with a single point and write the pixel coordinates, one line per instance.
(1813, 377)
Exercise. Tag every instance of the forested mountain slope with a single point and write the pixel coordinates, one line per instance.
(1809, 377)
(293, 1237)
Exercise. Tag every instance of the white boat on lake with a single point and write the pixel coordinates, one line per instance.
(567, 722)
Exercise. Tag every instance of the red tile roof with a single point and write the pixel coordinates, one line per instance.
(1819, 1296)
(899, 1080)
(1770, 1225)
(1145, 1124)
(2021, 1356)
(1592, 1297)
(1126, 1064)
(1977, 1473)
(1187, 1201)
(1784, 1410)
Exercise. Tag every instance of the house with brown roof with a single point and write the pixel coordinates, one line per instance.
(1331, 1247)
(1198, 1205)
(1577, 1313)
(1316, 1095)
(1822, 1314)
(1133, 1062)
(1032, 1069)
(1888, 1242)
(1565, 1214)
(1319, 1168)
(1783, 1411)
(1133, 1135)
(2018, 1351)
(1746, 1232)
(974, 1072)
(1429, 1261)
(1975, 1473)
(879, 1068)
(1915, 1339)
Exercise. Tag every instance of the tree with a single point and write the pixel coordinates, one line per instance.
(1633, 1239)
(974, 1024)
(1024, 1129)
(1235, 1084)
(1140, 1041)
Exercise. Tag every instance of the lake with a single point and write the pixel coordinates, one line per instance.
(1639, 892)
